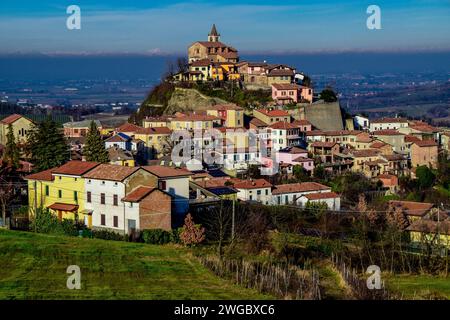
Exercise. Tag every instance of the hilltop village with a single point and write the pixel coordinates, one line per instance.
(138, 185)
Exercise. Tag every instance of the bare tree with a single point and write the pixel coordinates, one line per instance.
(218, 223)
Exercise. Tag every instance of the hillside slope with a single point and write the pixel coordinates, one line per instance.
(188, 100)
(34, 267)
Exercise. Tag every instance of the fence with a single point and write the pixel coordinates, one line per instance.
(286, 282)
(358, 285)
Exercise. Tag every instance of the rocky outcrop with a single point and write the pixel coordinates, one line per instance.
(324, 116)
(188, 100)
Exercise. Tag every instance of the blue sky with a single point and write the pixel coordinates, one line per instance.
(117, 26)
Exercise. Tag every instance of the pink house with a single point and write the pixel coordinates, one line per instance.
(295, 156)
(285, 93)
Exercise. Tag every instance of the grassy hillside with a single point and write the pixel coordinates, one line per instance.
(33, 266)
(419, 286)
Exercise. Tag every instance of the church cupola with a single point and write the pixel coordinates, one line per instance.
(214, 36)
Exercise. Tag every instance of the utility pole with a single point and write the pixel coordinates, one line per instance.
(233, 220)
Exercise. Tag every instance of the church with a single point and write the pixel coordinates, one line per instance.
(213, 49)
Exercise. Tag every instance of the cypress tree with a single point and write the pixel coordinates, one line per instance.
(94, 149)
(12, 152)
(47, 145)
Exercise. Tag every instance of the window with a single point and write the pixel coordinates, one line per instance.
(116, 221)
(251, 198)
(115, 200)
(59, 193)
(47, 190)
(162, 185)
(75, 196)
(89, 181)
(267, 192)
(115, 184)
(258, 192)
(102, 198)
(103, 220)
(89, 197)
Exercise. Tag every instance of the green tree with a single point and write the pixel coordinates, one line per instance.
(328, 95)
(47, 145)
(12, 152)
(425, 176)
(300, 173)
(95, 150)
(319, 172)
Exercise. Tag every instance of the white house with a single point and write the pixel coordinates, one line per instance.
(332, 200)
(258, 190)
(388, 124)
(290, 194)
(361, 122)
(105, 186)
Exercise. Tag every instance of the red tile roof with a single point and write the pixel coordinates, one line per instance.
(252, 184)
(299, 187)
(321, 196)
(75, 168)
(430, 226)
(166, 172)
(110, 172)
(64, 207)
(412, 208)
(282, 125)
(273, 113)
(127, 127)
(387, 132)
(138, 194)
(322, 144)
(286, 86)
(155, 130)
(201, 63)
(280, 72)
(410, 138)
(258, 123)
(45, 175)
(425, 143)
(11, 119)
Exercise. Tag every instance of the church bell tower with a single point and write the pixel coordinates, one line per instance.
(214, 36)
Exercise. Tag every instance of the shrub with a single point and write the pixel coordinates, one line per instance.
(175, 235)
(108, 235)
(191, 234)
(156, 236)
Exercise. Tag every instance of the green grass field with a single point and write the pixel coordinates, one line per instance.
(33, 266)
(419, 286)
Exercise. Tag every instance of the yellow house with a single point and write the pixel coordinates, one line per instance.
(154, 138)
(225, 71)
(362, 157)
(232, 114)
(156, 122)
(21, 126)
(272, 116)
(427, 231)
(194, 122)
(61, 190)
(200, 70)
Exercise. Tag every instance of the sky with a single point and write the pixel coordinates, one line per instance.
(252, 26)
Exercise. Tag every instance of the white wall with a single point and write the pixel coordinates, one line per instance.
(246, 194)
(293, 196)
(109, 188)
